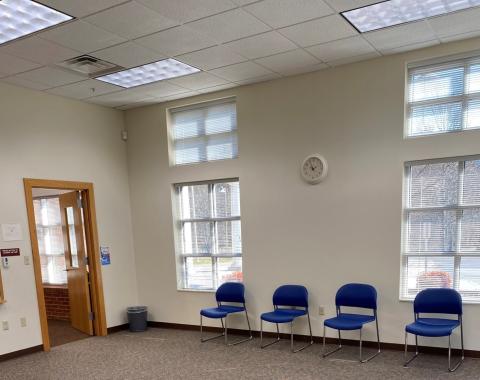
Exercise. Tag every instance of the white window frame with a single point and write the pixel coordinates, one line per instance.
(463, 59)
(457, 255)
(181, 257)
(194, 106)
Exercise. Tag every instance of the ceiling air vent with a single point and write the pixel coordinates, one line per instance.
(90, 66)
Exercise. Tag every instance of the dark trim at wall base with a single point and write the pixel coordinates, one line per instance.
(114, 329)
(25, 351)
(317, 339)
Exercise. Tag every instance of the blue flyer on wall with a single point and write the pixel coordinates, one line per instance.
(105, 255)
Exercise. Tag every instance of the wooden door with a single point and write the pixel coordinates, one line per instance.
(76, 262)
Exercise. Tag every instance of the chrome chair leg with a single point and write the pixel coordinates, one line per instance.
(261, 336)
(250, 337)
(213, 337)
(291, 337)
(325, 354)
(376, 353)
(408, 361)
(459, 363)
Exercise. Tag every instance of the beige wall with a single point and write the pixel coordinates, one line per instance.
(44, 136)
(345, 229)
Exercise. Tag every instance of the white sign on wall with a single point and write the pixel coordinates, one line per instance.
(11, 232)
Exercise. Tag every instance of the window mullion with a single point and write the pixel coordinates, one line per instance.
(459, 215)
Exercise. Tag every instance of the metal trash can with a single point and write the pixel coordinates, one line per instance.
(137, 318)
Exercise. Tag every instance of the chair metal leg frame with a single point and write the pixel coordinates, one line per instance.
(408, 361)
(225, 332)
(325, 354)
(291, 337)
(378, 342)
(261, 336)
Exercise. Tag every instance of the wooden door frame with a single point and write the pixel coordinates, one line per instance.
(96, 287)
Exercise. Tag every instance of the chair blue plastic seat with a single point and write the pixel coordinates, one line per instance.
(346, 321)
(282, 315)
(221, 311)
(232, 292)
(436, 301)
(353, 295)
(289, 302)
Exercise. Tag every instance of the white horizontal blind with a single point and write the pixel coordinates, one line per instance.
(50, 240)
(207, 132)
(441, 242)
(208, 237)
(444, 97)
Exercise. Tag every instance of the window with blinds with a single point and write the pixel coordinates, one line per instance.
(208, 234)
(444, 97)
(441, 242)
(204, 132)
(50, 240)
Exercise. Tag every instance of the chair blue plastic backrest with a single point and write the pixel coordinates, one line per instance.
(357, 295)
(231, 292)
(291, 295)
(438, 300)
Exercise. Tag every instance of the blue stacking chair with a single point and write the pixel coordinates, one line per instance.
(436, 301)
(353, 295)
(231, 292)
(289, 302)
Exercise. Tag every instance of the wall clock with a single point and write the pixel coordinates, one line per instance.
(314, 168)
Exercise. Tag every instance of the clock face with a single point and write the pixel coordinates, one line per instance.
(314, 169)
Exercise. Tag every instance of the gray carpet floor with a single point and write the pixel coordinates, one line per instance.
(173, 354)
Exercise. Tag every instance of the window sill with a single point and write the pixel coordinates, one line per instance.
(410, 300)
(196, 290)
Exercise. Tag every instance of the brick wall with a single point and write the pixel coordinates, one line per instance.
(57, 303)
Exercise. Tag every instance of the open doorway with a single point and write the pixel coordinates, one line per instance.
(65, 255)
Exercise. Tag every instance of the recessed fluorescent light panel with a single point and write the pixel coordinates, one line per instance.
(19, 18)
(152, 72)
(395, 12)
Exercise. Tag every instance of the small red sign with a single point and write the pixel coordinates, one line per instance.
(6, 252)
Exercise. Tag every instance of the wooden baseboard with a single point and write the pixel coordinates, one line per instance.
(316, 339)
(25, 351)
(114, 329)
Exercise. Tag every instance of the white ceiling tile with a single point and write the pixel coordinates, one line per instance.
(416, 46)
(315, 32)
(175, 41)
(51, 77)
(39, 50)
(245, 2)
(401, 35)
(346, 5)
(279, 13)
(13, 65)
(128, 55)
(284, 63)
(3, 74)
(217, 88)
(340, 49)
(145, 102)
(22, 82)
(456, 23)
(120, 98)
(211, 58)
(258, 79)
(178, 96)
(241, 71)
(305, 69)
(84, 89)
(158, 89)
(229, 26)
(198, 81)
(82, 36)
(358, 58)
(80, 8)
(457, 37)
(131, 20)
(262, 45)
(188, 10)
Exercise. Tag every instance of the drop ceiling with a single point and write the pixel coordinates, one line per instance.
(232, 42)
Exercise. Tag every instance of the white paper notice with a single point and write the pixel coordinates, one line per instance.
(11, 232)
